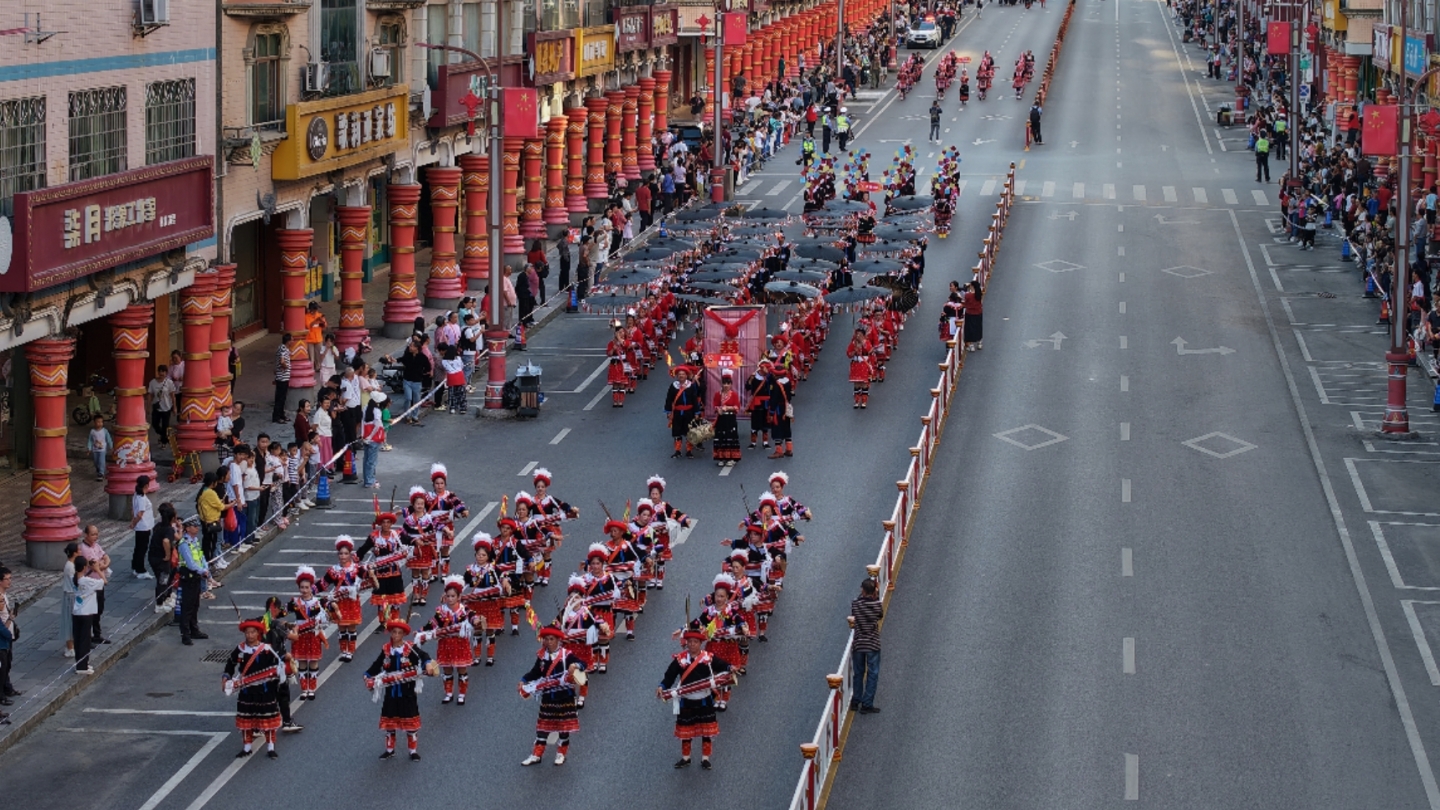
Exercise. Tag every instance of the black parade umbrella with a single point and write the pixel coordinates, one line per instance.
(734, 255)
(697, 215)
(717, 276)
(754, 230)
(629, 276)
(670, 244)
(650, 254)
(692, 226)
(804, 277)
(605, 300)
(895, 233)
(816, 265)
(878, 266)
(915, 203)
(824, 253)
(764, 213)
(903, 300)
(712, 286)
(847, 206)
(789, 292)
(690, 298)
(855, 295)
(908, 221)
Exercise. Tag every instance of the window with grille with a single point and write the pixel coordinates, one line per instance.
(338, 39)
(267, 92)
(392, 41)
(169, 121)
(22, 148)
(97, 133)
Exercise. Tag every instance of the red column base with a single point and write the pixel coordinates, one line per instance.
(401, 311)
(495, 379)
(1397, 415)
(717, 185)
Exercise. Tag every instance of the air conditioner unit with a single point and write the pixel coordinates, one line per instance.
(379, 64)
(154, 12)
(315, 76)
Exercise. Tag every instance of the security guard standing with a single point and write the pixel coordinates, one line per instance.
(935, 113)
(842, 128)
(1282, 136)
(1262, 156)
(807, 151)
(827, 125)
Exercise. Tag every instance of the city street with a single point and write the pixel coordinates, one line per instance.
(1164, 556)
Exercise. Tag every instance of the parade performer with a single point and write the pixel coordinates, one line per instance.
(386, 554)
(790, 509)
(665, 514)
(310, 620)
(253, 673)
(395, 675)
(486, 597)
(599, 597)
(746, 594)
(689, 683)
(583, 630)
(620, 370)
(682, 404)
(759, 426)
(418, 532)
(861, 367)
(761, 568)
(512, 558)
(445, 506)
(727, 634)
(550, 506)
(625, 563)
(779, 411)
(343, 582)
(555, 675)
(452, 627)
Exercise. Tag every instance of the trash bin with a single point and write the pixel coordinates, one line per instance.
(527, 381)
(1222, 117)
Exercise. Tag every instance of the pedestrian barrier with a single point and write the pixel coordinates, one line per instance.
(1050, 65)
(822, 752)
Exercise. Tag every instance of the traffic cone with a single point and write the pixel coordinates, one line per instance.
(1384, 311)
(1369, 284)
(1345, 251)
(322, 492)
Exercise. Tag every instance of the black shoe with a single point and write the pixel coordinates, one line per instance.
(242, 754)
(186, 641)
(414, 757)
(854, 705)
(705, 763)
(199, 635)
(13, 692)
(272, 753)
(98, 641)
(387, 755)
(5, 701)
(683, 763)
(869, 710)
(675, 454)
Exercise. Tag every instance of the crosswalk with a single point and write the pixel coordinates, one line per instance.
(1053, 190)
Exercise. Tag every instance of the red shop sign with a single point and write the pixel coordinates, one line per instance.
(632, 29)
(71, 231)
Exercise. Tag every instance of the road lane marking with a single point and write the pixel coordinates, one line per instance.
(1139, 191)
(1078, 191)
(159, 712)
(1125, 490)
(1229, 195)
(1120, 250)
(1201, 198)
(524, 471)
(1124, 383)
(1108, 191)
(596, 400)
(1047, 189)
(1127, 655)
(988, 188)
(479, 516)
(1122, 278)
(1122, 307)
(1259, 195)
(1169, 192)
(1132, 761)
(724, 471)
(559, 437)
(779, 187)
(1019, 188)
(1127, 563)
(1124, 342)
(960, 187)
(1357, 575)
(605, 364)
(1124, 431)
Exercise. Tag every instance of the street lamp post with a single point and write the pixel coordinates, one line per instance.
(717, 164)
(495, 333)
(840, 42)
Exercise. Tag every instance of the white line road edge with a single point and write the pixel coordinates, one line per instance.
(216, 737)
(1387, 659)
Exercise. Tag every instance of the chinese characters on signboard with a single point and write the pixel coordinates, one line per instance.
(83, 226)
(359, 127)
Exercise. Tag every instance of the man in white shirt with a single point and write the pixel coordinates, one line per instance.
(161, 391)
(350, 417)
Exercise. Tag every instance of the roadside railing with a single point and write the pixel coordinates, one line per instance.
(822, 752)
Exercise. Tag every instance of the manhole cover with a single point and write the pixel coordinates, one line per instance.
(1326, 295)
(217, 655)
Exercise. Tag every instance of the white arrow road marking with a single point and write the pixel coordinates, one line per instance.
(1160, 218)
(1054, 341)
(1180, 344)
(1070, 215)
(982, 141)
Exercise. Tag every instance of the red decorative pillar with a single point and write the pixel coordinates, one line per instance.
(629, 113)
(709, 114)
(294, 264)
(512, 241)
(556, 212)
(575, 161)
(747, 65)
(662, 100)
(130, 328)
(222, 307)
(197, 389)
(614, 139)
(354, 231)
(532, 220)
(51, 520)
(444, 287)
(402, 305)
(595, 187)
(476, 264)
(645, 110)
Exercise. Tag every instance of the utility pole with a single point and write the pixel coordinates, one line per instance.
(840, 42)
(1397, 360)
(717, 168)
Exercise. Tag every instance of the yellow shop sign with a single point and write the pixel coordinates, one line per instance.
(334, 133)
(594, 50)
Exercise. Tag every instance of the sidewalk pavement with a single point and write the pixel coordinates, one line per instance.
(40, 669)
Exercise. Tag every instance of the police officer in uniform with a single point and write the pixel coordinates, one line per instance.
(827, 125)
(842, 128)
(807, 151)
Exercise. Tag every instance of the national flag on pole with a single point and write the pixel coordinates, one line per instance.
(1277, 37)
(1380, 130)
(521, 111)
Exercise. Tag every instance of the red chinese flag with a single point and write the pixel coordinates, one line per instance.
(1277, 38)
(1380, 130)
(522, 112)
(735, 28)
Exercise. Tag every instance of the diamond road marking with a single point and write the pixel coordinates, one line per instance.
(1187, 271)
(1054, 438)
(1059, 266)
(1237, 446)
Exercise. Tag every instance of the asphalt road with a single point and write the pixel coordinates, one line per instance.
(159, 730)
(1147, 579)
